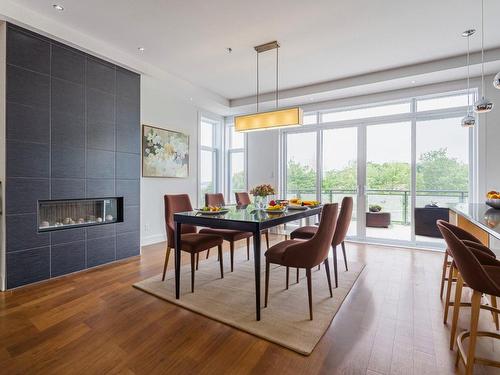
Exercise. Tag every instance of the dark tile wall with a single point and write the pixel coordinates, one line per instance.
(72, 132)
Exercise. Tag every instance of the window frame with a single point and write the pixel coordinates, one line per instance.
(229, 152)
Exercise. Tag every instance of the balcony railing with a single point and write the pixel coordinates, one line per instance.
(397, 202)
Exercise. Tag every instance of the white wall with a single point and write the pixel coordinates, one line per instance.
(263, 154)
(163, 108)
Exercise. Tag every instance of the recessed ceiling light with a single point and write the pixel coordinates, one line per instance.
(141, 49)
(229, 50)
(413, 81)
(58, 7)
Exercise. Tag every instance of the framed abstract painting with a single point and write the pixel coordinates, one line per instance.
(165, 153)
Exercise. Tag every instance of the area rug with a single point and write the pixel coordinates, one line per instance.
(232, 300)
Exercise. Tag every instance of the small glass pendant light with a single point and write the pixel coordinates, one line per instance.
(482, 105)
(496, 81)
(469, 120)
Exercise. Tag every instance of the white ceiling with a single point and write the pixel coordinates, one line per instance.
(322, 40)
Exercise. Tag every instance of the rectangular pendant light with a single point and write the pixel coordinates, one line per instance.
(280, 118)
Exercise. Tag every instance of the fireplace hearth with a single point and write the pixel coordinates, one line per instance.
(72, 213)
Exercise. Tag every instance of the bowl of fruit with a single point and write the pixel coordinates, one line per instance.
(275, 208)
(493, 199)
(212, 210)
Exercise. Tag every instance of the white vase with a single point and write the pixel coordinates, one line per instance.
(260, 202)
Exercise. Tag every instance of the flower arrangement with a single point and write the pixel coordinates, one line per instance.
(263, 190)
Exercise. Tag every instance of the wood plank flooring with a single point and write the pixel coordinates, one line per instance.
(95, 322)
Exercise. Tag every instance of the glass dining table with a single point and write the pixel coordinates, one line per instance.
(242, 218)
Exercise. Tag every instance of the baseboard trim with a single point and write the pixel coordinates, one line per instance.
(150, 240)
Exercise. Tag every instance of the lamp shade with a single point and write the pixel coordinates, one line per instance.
(269, 120)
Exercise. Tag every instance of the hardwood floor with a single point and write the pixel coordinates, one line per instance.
(95, 322)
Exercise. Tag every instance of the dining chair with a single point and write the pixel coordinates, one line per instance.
(342, 226)
(243, 199)
(191, 241)
(482, 275)
(448, 265)
(306, 254)
(229, 235)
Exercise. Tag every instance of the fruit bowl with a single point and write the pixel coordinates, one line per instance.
(495, 203)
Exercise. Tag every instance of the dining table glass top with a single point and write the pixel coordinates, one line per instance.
(249, 214)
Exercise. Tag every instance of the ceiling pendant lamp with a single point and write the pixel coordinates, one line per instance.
(496, 81)
(279, 118)
(483, 105)
(469, 120)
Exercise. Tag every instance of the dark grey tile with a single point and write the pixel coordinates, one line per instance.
(128, 138)
(100, 251)
(67, 162)
(130, 190)
(67, 258)
(67, 235)
(131, 219)
(128, 84)
(67, 130)
(22, 233)
(68, 64)
(100, 106)
(100, 75)
(100, 164)
(27, 124)
(98, 231)
(67, 188)
(67, 97)
(128, 166)
(127, 245)
(27, 159)
(128, 111)
(29, 266)
(101, 135)
(100, 187)
(28, 51)
(26, 87)
(22, 194)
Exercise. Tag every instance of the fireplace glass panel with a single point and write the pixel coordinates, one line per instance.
(62, 214)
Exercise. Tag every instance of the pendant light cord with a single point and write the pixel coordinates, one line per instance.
(277, 75)
(468, 73)
(257, 82)
(482, 47)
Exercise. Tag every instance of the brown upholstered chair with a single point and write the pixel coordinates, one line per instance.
(482, 275)
(229, 235)
(191, 241)
(306, 254)
(243, 199)
(338, 239)
(470, 241)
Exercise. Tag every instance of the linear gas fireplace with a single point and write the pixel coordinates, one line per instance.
(71, 213)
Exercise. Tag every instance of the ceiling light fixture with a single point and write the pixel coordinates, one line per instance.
(141, 49)
(58, 7)
(469, 120)
(279, 118)
(482, 105)
(496, 81)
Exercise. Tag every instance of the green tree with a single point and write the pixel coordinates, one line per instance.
(437, 171)
(238, 181)
(300, 177)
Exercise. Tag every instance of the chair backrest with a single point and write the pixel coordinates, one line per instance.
(312, 252)
(216, 199)
(173, 204)
(460, 233)
(343, 221)
(468, 265)
(242, 199)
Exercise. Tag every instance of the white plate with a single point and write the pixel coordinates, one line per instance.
(297, 208)
(212, 212)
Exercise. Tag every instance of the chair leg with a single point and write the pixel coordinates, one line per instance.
(448, 293)
(495, 314)
(248, 248)
(267, 283)
(167, 255)
(343, 252)
(474, 319)
(456, 310)
(328, 276)
(443, 273)
(231, 253)
(192, 272)
(297, 275)
(309, 292)
(287, 276)
(335, 267)
(267, 239)
(208, 253)
(197, 260)
(221, 261)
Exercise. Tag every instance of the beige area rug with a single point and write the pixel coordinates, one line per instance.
(232, 300)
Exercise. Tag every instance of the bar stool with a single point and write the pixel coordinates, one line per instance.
(482, 275)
